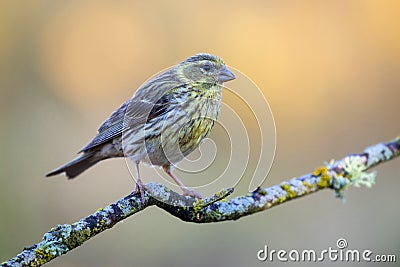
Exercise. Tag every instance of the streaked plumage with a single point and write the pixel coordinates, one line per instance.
(166, 119)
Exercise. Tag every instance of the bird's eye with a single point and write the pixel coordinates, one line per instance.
(207, 67)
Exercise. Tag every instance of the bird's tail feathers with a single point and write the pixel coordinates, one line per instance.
(77, 166)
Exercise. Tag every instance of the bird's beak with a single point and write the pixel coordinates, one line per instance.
(226, 75)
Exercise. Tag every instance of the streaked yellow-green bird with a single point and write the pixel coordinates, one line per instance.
(163, 122)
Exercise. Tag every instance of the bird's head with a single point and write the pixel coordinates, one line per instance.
(204, 68)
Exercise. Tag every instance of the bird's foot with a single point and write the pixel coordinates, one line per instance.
(141, 189)
(191, 193)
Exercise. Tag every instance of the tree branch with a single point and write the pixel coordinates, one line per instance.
(337, 175)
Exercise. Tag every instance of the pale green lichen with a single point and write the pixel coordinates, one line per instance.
(355, 168)
(80, 236)
(200, 204)
(59, 241)
(43, 257)
(366, 179)
(353, 174)
(53, 243)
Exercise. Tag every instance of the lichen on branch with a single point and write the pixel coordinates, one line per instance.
(337, 175)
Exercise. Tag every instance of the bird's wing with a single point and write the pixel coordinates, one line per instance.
(110, 128)
(148, 102)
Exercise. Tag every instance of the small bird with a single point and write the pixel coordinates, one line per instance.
(163, 122)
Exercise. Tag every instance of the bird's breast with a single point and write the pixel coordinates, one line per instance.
(200, 116)
(184, 123)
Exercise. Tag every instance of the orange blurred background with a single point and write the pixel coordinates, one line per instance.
(329, 69)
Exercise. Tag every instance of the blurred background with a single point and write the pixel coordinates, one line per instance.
(329, 70)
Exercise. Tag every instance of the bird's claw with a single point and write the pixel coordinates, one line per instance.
(191, 193)
(141, 189)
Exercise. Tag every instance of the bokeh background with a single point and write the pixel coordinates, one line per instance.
(329, 69)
